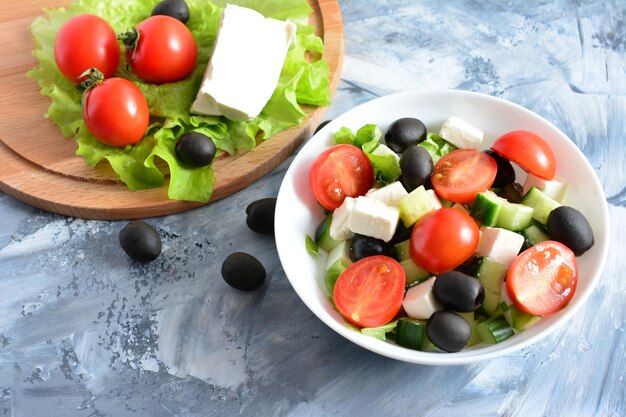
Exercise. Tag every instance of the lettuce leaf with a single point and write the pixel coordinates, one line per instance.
(302, 81)
(436, 146)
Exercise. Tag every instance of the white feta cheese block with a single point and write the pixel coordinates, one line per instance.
(339, 225)
(554, 188)
(341, 253)
(420, 302)
(504, 294)
(436, 201)
(384, 150)
(244, 68)
(373, 218)
(390, 194)
(501, 245)
(461, 134)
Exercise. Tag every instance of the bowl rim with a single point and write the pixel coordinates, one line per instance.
(437, 358)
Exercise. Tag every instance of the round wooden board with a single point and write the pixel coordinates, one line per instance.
(39, 167)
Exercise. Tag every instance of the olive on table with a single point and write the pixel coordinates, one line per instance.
(363, 246)
(177, 9)
(261, 216)
(195, 149)
(570, 227)
(404, 133)
(448, 331)
(417, 166)
(458, 291)
(140, 241)
(505, 174)
(243, 271)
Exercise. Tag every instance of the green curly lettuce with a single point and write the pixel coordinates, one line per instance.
(302, 81)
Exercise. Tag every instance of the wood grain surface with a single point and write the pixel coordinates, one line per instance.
(38, 164)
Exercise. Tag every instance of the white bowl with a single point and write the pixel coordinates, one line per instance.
(298, 214)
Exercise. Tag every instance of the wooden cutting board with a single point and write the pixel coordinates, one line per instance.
(38, 164)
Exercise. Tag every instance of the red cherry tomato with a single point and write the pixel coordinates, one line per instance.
(86, 41)
(543, 278)
(461, 174)
(339, 172)
(529, 151)
(443, 239)
(369, 292)
(163, 52)
(116, 112)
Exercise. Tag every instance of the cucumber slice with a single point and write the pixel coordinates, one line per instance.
(475, 336)
(542, 204)
(486, 208)
(491, 304)
(414, 274)
(322, 235)
(518, 319)
(490, 273)
(410, 333)
(515, 217)
(403, 250)
(495, 329)
(533, 234)
(415, 205)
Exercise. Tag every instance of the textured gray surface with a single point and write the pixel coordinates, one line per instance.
(86, 332)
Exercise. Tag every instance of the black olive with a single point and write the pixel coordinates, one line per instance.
(404, 133)
(173, 8)
(417, 166)
(321, 126)
(402, 233)
(458, 291)
(363, 246)
(261, 216)
(506, 173)
(140, 241)
(448, 331)
(570, 227)
(195, 149)
(243, 271)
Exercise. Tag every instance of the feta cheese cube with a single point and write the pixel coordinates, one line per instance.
(500, 245)
(390, 194)
(554, 188)
(420, 302)
(339, 225)
(436, 201)
(461, 134)
(373, 218)
(383, 150)
(341, 253)
(247, 59)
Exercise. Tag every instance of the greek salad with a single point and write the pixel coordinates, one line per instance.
(436, 244)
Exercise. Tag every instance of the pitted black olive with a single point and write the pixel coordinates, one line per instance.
(195, 149)
(404, 133)
(363, 246)
(570, 227)
(417, 166)
(448, 331)
(458, 291)
(243, 271)
(140, 241)
(177, 9)
(505, 174)
(261, 216)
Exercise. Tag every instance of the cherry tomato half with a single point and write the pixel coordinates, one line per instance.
(164, 50)
(369, 292)
(339, 172)
(86, 41)
(461, 174)
(531, 152)
(116, 112)
(443, 239)
(543, 278)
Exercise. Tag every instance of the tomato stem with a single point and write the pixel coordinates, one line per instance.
(93, 77)
(131, 40)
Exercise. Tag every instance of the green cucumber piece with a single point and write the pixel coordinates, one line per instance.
(410, 333)
(533, 234)
(322, 235)
(491, 304)
(542, 204)
(446, 203)
(515, 217)
(490, 273)
(518, 319)
(495, 330)
(414, 273)
(403, 250)
(486, 208)
(475, 336)
(416, 204)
